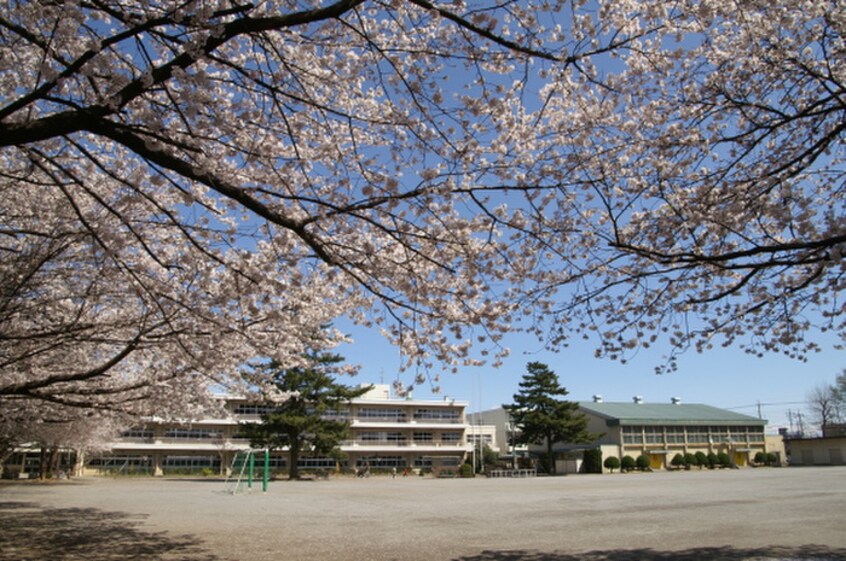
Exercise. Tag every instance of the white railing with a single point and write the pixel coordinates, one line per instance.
(512, 473)
(406, 420)
(404, 443)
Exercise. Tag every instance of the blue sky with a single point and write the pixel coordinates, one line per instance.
(726, 378)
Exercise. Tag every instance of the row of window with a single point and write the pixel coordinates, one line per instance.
(193, 434)
(692, 435)
(402, 462)
(398, 414)
(180, 433)
(116, 463)
(139, 433)
(400, 438)
(366, 436)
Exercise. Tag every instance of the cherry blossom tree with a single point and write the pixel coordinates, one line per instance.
(701, 191)
(189, 184)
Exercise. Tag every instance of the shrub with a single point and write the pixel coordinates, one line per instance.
(701, 459)
(689, 460)
(677, 461)
(611, 463)
(627, 463)
(712, 460)
(9, 473)
(772, 459)
(642, 462)
(760, 458)
(724, 460)
(467, 470)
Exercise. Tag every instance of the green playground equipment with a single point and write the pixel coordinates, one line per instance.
(242, 472)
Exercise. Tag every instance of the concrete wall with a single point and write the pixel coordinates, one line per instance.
(816, 451)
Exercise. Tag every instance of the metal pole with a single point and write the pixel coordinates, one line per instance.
(251, 469)
(266, 476)
(473, 440)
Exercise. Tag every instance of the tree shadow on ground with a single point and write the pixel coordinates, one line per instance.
(29, 533)
(799, 553)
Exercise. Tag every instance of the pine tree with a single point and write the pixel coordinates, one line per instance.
(302, 423)
(543, 418)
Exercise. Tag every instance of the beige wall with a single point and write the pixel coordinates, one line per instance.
(817, 451)
(774, 443)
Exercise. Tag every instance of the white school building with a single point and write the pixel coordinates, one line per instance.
(386, 432)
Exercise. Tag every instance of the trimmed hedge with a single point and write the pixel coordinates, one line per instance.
(611, 463)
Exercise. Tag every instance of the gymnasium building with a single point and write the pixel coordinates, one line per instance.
(662, 430)
(658, 430)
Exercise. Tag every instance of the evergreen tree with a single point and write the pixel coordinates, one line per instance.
(542, 417)
(303, 423)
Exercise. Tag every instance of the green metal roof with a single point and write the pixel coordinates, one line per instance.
(667, 414)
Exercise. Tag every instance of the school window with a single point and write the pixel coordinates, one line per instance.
(450, 437)
(383, 413)
(251, 409)
(654, 435)
(675, 435)
(137, 433)
(697, 435)
(189, 434)
(317, 463)
(756, 434)
(738, 434)
(719, 435)
(422, 462)
(190, 462)
(633, 435)
(381, 462)
(442, 415)
(484, 439)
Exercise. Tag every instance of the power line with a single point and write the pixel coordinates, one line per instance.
(779, 403)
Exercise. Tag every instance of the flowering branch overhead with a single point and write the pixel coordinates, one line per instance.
(189, 185)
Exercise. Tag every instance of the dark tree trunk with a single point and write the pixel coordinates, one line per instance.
(42, 463)
(293, 460)
(550, 456)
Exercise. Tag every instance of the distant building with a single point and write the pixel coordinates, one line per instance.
(661, 430)
(499, 426)
(658, 430)
(385, 433)
(820, 451)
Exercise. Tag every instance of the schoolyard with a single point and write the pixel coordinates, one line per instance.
(728, 515)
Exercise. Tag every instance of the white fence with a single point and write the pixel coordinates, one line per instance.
(512, 473)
